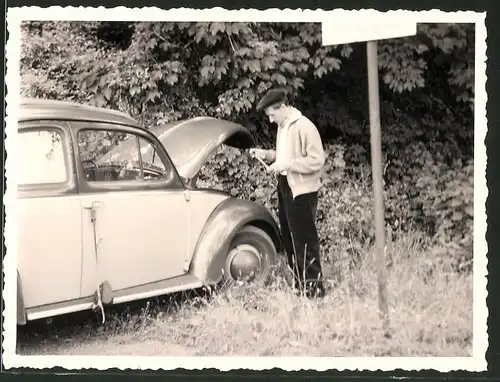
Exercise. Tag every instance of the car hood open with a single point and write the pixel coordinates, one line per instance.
(191, 142)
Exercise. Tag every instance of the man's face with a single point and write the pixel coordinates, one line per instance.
(276, 113)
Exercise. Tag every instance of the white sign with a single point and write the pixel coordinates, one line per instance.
(334, 33)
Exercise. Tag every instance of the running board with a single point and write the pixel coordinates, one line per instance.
(59, 309)
(160, 288)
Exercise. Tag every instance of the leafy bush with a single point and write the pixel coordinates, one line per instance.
(433, 198)
(159, 72)
(448, 198)
(163, 70)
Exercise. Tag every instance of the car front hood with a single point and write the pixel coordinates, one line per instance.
(191, 142)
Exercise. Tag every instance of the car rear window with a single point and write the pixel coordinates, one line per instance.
(42, 158)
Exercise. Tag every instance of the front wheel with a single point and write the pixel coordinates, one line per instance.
(251, 256)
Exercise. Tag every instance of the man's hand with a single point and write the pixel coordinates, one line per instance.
(258, 153)
(278, 167)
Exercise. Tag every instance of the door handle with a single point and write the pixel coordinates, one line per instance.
(92, 207)
(88, 205)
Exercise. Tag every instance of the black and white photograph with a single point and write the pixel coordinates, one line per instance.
(295, 189)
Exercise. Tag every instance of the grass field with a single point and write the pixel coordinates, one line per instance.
(430, 307)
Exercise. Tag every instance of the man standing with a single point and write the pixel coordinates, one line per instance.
(298, 160)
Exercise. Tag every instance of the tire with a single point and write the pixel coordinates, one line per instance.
(250, 240)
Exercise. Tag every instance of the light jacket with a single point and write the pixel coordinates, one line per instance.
(304, 153)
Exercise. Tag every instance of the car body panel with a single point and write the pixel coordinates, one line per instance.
(153, 237)
(151, 242)
(59, 308)
(201, 205)
(49, 265)
(32, 109)
(214, 241)
(150, 215)
(21, 309)
(176, 284)
(50, 250)
(191, 142)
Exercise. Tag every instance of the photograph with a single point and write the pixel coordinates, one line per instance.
(297, 189)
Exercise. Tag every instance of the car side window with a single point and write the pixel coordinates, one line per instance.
(110, 155)
(149, 155)
(42, 158)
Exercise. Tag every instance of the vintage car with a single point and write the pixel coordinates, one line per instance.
(110, 212)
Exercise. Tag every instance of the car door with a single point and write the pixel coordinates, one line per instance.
(139, 209)
(50, 218)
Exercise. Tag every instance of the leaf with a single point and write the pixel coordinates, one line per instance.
(281, 80)
(153, 95)
(287, 66)
(134, 90)
(156, 75)
(254, 66)
(172, 79)
(99, 100)
(320, 71)
(268, 63)
(303, 53)
(456, 202)
(260, 192)
(205, 72)
(422, 48)
(107, 93)
(331, 63)
(216, 28)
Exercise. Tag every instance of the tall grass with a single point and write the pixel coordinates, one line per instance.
(431, 314)
(430, 311)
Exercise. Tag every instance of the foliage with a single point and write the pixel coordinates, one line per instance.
(172, 69)
(159, 72)
(406, 61)
(177, 69)
(440, 205)
(448, 195)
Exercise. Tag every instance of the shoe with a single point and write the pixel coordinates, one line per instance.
(316, 290)
(311, 292)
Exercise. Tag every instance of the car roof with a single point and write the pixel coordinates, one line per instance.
(36, 109)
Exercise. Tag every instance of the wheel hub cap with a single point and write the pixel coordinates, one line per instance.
(244, 263)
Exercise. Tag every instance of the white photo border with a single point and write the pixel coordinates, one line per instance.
(443, 364)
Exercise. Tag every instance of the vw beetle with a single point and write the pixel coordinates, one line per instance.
(110, 212)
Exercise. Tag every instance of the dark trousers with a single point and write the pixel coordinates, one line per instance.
(300, 237)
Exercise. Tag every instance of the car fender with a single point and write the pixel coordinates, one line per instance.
(21, 311)
(223, 223)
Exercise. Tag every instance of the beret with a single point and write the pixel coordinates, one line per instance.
(272, 97)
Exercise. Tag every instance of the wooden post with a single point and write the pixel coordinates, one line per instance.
(378, 192)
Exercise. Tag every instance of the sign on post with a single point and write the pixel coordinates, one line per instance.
(334, 33)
